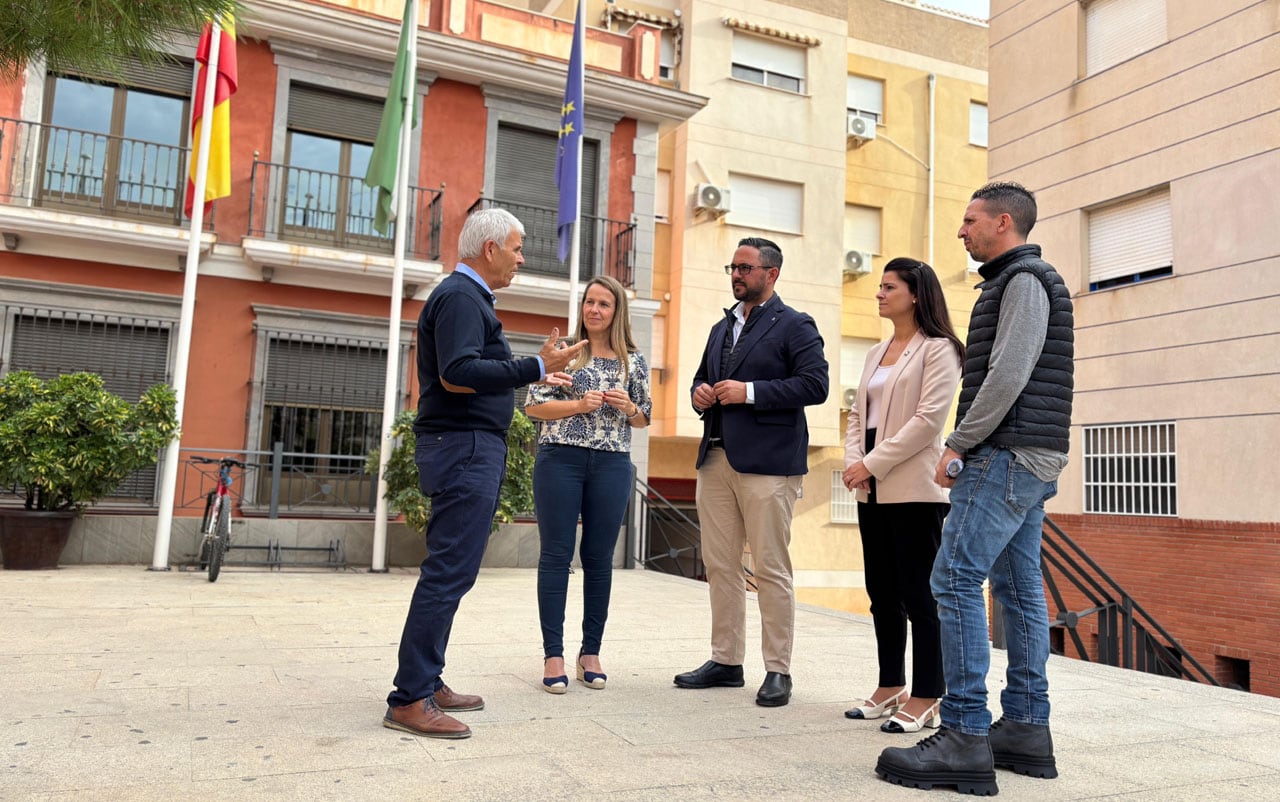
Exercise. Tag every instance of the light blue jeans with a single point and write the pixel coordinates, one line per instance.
(997, 508)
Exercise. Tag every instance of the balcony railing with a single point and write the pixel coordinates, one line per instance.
(608, 247)
(90, 172)
(292, 204)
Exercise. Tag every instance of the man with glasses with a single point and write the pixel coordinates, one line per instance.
(762, 366)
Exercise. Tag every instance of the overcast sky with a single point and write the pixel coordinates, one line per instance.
(974, 8)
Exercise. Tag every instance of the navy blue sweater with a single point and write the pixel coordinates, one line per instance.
(460, 340)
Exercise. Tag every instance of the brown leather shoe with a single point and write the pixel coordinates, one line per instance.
(424, 718)
(446, 699)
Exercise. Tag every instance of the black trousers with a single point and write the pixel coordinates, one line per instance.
(899, 543)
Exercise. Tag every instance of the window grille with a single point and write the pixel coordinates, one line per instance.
(131, 354)
(322, 398)
(1131, 469)
(844, 504)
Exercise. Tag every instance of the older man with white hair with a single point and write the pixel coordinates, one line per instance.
(467, 379)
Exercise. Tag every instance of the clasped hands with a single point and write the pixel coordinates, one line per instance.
(723, 392)
(857, 477)
(555, 357)
(592, 400)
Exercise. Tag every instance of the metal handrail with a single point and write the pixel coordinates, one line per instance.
(288, 203)
(92, 172)
(686, 545)
(1124, 625)
(607, 247)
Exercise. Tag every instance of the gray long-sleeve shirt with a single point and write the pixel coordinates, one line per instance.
(1020, 335)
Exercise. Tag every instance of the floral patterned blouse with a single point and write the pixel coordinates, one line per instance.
(606, 428)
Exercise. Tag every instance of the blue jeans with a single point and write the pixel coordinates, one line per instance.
(997, 509)
(568, 481)
(461, 472)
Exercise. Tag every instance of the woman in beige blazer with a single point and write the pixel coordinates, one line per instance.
(892, 446)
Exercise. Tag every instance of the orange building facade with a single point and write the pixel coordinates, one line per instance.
(288, 349)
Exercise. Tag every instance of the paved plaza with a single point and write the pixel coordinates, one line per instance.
(120, 683)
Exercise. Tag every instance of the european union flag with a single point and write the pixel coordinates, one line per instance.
(568, 156)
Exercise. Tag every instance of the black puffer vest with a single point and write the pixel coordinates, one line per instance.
(1041, 416)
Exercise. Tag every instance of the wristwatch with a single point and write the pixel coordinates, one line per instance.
(954, 467)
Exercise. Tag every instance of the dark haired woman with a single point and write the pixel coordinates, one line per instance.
(892, 446)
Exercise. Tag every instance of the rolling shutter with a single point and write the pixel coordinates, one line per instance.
(320, 111)
(1130, 238)
(1117, 30)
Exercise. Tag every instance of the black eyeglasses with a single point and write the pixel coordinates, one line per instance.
(742, 269)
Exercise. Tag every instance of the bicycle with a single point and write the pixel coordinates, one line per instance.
(216, 526)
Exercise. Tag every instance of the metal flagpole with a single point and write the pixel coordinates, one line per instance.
(169, 479)
(390, 398)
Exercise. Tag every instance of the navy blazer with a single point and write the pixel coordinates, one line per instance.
(781, 354)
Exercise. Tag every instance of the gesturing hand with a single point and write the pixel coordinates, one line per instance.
(555, 354)
(557, 379)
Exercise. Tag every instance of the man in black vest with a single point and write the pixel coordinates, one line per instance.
(762, 366)
(1002, 463)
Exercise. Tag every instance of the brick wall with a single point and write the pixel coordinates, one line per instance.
(1213, 585)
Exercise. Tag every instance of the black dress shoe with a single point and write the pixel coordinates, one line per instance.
(775, 691)
(1023, 748)
(711, 675)
(948, 757)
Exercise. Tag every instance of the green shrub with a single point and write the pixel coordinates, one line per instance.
(404, 497)
(68, 442)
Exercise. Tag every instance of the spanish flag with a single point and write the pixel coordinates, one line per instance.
(218, 181)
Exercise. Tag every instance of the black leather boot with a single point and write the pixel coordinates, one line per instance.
(1023, 748)
(947, 757)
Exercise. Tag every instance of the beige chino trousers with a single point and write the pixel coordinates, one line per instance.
(734, 510)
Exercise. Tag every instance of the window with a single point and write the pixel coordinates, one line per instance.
(667, 56)
(768, 63)
(122, 336)
(978, 124)
(1131, 469)
(1130, 241)
(118, 148)
(662, 196)
(1117, 30)
(318, 384)
(524, 183)
(844, 504)
(768, 204)
(329, 144)
(866, 97)
(853, 358)
(862, 228)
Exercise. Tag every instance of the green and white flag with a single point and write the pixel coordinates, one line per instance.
(383, 163)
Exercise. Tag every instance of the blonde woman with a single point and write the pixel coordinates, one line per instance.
(583, 468)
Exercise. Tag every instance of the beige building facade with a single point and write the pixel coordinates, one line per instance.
(781, 152)
(1149, 131)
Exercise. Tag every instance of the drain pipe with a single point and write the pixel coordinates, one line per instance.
(933, 139)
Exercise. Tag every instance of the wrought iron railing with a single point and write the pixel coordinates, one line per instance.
(607, 247)
(1127, 633)
(293, 204)
(92, 173)
(284, 482)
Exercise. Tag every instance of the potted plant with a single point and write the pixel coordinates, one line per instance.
(65, 443)
(405, 497)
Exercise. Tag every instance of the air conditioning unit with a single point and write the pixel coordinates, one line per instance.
(860, 129)
(711, 198)
(848, 397)
(856, 263)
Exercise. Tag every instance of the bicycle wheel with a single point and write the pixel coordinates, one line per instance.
(210, 505)
(222, 542)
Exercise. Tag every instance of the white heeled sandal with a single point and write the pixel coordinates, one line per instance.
(868, 710)
(905, 722)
